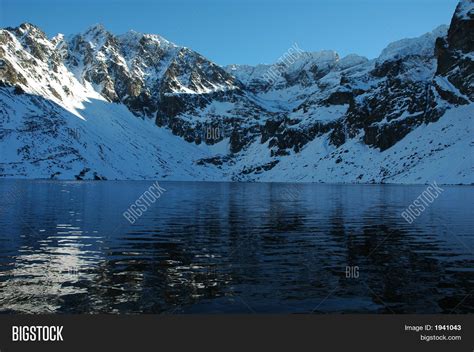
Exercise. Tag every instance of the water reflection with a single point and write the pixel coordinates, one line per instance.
(233, 248)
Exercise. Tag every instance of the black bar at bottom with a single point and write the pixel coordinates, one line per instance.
(245, 332)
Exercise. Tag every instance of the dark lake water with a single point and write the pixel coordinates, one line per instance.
(233, 248)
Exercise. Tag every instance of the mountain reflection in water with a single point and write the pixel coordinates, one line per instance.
(233, 248)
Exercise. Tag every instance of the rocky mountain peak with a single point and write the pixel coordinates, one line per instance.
(421, 46)
(95, 31)
(461, 31)
(29, 29)
(464, 10)
(454, 53)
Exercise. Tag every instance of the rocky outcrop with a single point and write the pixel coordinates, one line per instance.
(454, 53)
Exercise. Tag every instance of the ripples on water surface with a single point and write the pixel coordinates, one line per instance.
(233, 248)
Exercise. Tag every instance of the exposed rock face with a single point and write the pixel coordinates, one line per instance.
(455, 52)
(460, 34)
(235, 111)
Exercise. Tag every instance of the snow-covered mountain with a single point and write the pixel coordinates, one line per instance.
(136, 106)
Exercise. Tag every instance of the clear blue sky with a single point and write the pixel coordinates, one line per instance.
(243, 31)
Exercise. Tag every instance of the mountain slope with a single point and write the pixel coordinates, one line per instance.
(136, 106)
